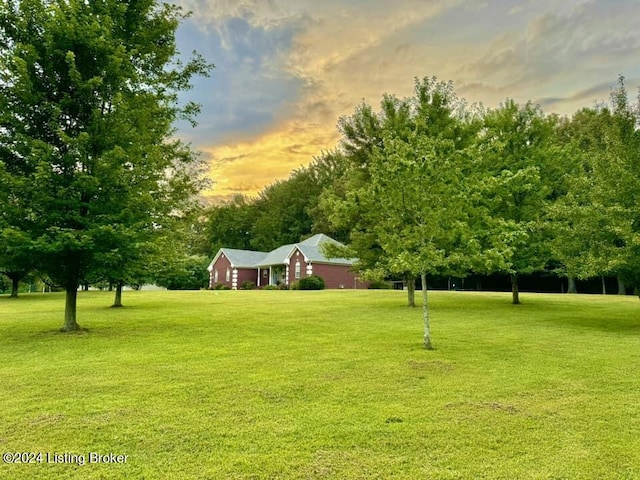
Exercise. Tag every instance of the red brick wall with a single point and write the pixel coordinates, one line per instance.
(292, 266)
(221, 265)
(246, 275)
(337, 276)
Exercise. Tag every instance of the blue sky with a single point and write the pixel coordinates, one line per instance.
(287, 70)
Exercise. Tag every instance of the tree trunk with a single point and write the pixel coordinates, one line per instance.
(514, 289)
(70, 323)
(425, 313)
(411, 291)
(15, 284)
(622, 288)
(572, 288)
(604, 286)
(117, 302)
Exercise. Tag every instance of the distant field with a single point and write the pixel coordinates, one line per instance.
(314, 385)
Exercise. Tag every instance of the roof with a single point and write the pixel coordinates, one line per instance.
(318, 240)
(238, 258)
(242, 258)
(277, 256)
(314, 254)
(310, 248)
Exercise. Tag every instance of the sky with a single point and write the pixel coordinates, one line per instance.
(286, 70)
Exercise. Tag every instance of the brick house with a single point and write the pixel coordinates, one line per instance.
(282, 266)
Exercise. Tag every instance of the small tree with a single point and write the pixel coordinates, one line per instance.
(16, 258)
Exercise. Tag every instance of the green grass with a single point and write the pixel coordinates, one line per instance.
(332, 384)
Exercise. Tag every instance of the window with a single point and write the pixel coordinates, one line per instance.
(297, 270)
(228, 274)
(215, 276)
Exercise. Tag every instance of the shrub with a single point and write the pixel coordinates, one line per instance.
(186, 273)
(270, 287)
(379, 285)
(248, 285)
(313, 282)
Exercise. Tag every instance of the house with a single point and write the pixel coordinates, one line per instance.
(282, 266)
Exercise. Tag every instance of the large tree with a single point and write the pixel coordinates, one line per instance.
(573, 229)
(342, 204)
(599, 216)
(88, 96)
(514, 152)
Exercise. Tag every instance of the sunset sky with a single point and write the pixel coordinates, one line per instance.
(287, 70)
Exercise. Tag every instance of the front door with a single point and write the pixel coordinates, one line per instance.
(277, 275)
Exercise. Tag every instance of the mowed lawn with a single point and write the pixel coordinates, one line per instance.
(332, 384)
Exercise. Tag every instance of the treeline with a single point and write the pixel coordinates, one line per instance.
(432, 186)
(282, 213)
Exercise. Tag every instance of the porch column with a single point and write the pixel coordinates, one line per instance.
(234, 279)
(259, 272)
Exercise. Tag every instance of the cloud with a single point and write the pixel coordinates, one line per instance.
(249, 87)
(572, 48)
(260, 161)
(593, 95)
(286, 71)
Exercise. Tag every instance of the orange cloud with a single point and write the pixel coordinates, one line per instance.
(248, 166)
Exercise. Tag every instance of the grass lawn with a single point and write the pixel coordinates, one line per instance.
(332, 384)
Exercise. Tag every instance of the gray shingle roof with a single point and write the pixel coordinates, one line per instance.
(243, 258)
(314, 254)
(318, 240)
(276, 257)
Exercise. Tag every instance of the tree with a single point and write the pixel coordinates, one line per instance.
(16, 259)
(340, 203)
(228, 225)
(281, 212)
(570, 215)
(88, 95)
(172, 263)
(286, 211)
(412, 198)
(599, 214)
(125, 263)
(514, 153)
